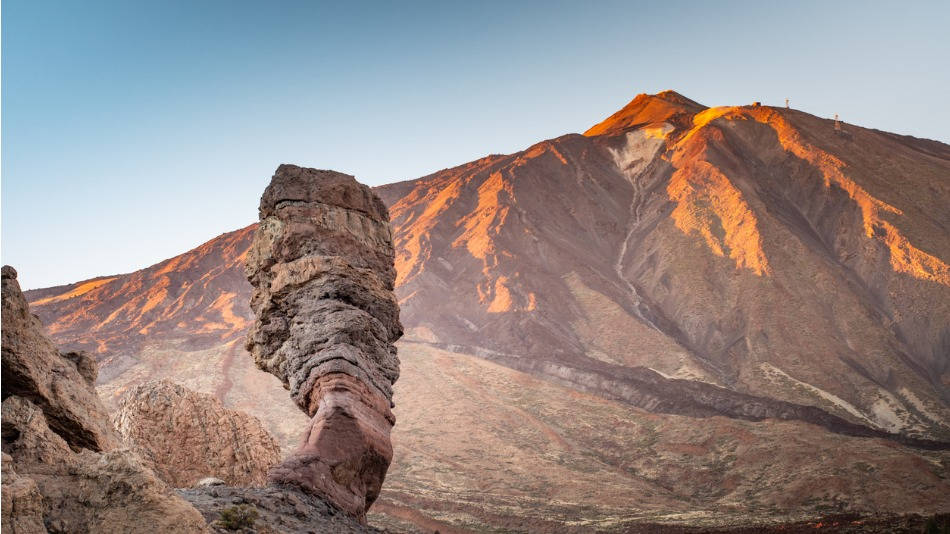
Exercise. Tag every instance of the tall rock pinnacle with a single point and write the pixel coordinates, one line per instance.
(321, 266)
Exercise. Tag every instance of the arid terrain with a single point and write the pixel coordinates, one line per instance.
(686, 315)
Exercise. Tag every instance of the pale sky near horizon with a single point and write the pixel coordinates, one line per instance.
(134, 131)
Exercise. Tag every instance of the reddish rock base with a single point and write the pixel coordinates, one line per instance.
(346, 450)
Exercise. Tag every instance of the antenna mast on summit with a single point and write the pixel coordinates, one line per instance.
(786, 103)
(837, 124)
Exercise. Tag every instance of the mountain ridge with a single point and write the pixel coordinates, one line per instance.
(750, 262)
(738, 236)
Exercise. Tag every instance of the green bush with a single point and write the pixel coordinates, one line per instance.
(238, 517)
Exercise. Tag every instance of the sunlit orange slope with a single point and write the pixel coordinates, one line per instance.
(753, 248)
(667, 106)
(199, 298)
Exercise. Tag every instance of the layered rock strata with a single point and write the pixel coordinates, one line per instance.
(62, 468)
(322, 269)
(211, 440)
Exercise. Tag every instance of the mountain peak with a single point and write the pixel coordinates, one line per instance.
(665, 106)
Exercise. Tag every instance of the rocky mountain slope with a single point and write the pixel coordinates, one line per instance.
(199, 299)
(749, 248)
(734, 264)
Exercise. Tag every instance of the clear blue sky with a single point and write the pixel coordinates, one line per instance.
(135, 130)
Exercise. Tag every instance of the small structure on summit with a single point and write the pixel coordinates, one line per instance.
(839, 131)
(322, 269)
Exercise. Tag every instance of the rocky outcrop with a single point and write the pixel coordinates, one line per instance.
(62, 471)
(61, 385)
(322, 269)
(210, 440)
(22, 495)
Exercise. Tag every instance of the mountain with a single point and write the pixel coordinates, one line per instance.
(749, 248)
(667, 314)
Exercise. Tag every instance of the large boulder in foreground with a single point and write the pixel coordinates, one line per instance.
(209, 439)
(322, 269)
(62, 471)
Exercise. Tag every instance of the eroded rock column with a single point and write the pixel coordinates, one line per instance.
(322, 270)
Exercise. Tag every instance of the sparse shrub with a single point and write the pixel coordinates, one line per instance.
(238, 517)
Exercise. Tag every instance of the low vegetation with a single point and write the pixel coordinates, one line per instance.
(238, 517)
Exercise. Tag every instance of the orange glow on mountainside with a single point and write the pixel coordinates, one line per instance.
(413, 248)
(487, 218)
(79, 290)
(481, 228)
(904, 257)
(502, 299)
(665, 106)
(192, 294)
(710, 205)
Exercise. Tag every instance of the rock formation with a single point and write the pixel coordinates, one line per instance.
(210, 440)
(61, 385)
(321, 266)
(61, 469)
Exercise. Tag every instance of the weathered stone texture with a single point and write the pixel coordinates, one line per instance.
(62, 471)
(61, 385)
(209, 439)
(322, 270)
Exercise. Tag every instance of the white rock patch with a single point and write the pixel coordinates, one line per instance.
(774, 373)
(642, 145)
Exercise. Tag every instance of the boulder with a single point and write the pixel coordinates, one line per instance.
(210, 440)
